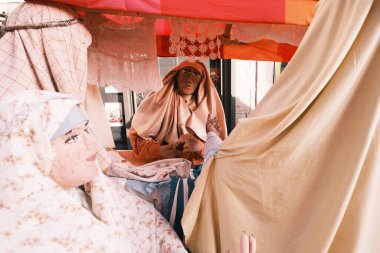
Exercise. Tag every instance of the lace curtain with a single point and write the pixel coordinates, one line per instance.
(195, 38)
(123, 53)
(248, 33)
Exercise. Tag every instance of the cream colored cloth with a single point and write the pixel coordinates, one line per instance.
(37, 215)
(99, 119)
(151, 172)
(164, 116)
(302, 174)
(51, 59)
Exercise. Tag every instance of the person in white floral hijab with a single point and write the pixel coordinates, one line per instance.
(41, 207)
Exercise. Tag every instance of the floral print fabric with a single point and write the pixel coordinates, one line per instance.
(37, 215)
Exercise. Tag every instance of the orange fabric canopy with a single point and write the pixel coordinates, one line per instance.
(276, 12)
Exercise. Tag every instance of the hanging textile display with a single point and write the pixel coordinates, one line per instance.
(302, 173)
(123, 53)
(195, 38)
(224, 12)
(248, 33)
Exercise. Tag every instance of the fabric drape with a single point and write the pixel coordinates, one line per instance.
(37, 215)
(123, 52)
(302, 174)
(47, 59)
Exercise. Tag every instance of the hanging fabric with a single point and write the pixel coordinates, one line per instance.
(123, 53)
(195, 38)
(280, 33)
(302, 174)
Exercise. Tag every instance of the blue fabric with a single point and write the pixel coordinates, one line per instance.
(167, 191)
(180, 198)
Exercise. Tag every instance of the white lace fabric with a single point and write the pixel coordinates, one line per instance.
(203, 39)
(123, 53)
(281, 33)
(195, 38)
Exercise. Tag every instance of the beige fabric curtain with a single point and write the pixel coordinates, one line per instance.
(302, 174)
(94, 107)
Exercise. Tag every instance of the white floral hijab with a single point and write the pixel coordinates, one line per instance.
(37, 215)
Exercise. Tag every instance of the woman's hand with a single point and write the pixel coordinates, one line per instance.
(247, 244)
(192, 144)
(212, 124)
(168, 151)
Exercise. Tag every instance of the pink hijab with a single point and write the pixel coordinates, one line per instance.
(164, 115)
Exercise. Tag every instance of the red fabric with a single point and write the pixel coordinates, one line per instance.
(237, 10)
(263, 50)
(259, 11)
(163, 27)
(163, 44)
(256, 11)
(144, 6)
(149, 151)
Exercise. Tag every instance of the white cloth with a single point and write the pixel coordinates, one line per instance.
(156, 171)
(123, 53)
(211, 146)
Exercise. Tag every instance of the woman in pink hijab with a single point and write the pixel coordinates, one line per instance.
(172, 122)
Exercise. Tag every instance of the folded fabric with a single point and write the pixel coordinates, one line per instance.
(157, 171)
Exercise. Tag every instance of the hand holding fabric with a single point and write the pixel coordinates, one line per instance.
(192, 144)
(168, 151)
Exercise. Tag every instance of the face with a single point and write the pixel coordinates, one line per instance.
(188, 79)
(75, 155)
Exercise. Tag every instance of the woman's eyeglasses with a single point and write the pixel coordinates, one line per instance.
(194, 73)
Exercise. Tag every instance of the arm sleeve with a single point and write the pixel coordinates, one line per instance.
(144, 149)
(212, 145)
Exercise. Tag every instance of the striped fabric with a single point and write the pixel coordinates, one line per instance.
(180, 191)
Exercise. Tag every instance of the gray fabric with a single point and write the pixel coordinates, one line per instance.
(148, 189)
(75, 117)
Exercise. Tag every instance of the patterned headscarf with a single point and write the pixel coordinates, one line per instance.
(53, 58)
(39, 215)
